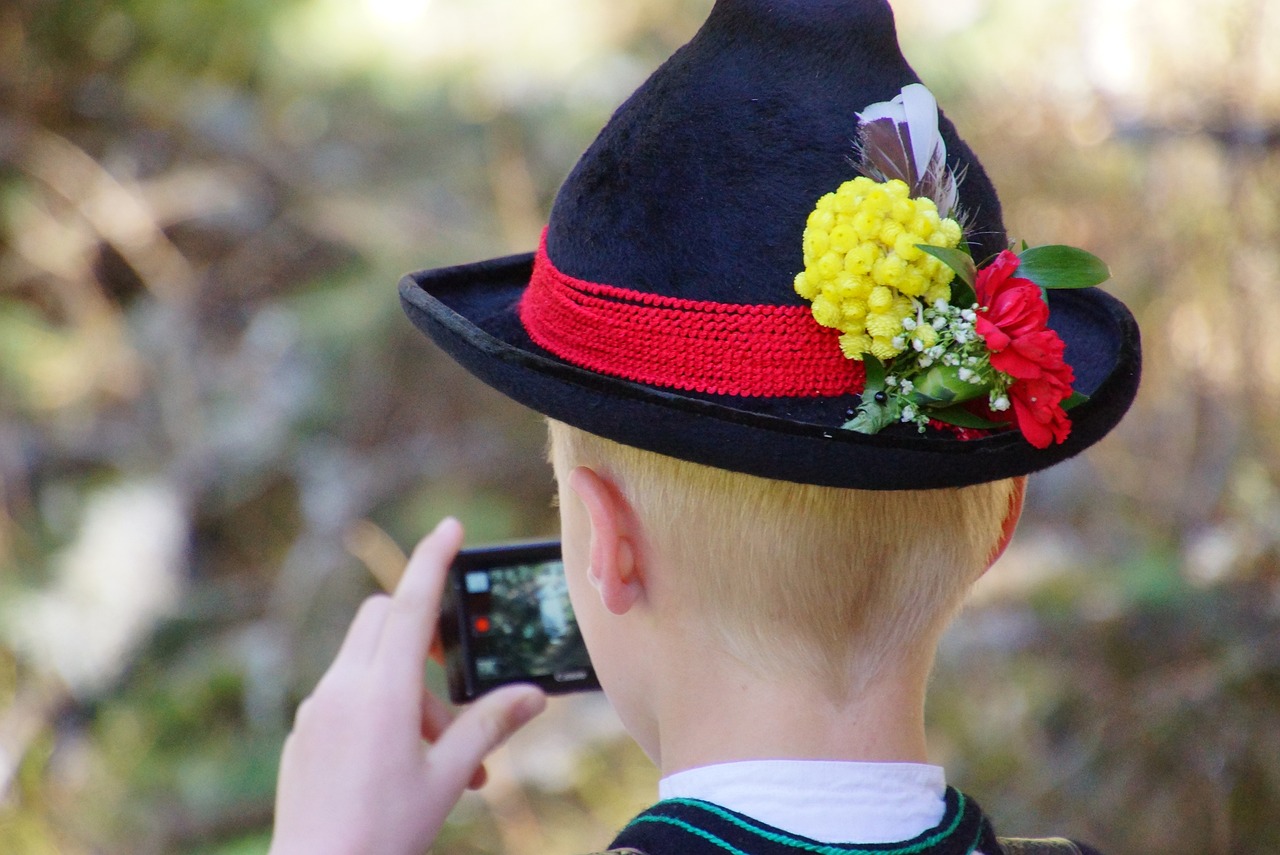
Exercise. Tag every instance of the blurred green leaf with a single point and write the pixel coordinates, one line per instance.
(1062, 267)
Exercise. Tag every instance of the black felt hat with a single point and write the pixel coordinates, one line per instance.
(696, 194)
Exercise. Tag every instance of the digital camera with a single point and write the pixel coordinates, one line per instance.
(507, 618)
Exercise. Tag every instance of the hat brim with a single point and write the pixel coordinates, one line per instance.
(471, 312)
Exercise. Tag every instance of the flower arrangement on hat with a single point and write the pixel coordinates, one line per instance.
(944, 339)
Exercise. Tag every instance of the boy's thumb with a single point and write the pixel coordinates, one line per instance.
(479, 729)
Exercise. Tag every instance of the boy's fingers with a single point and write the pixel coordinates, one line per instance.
(436, 716)
(482, 727)
(415, 606)
(361, 640)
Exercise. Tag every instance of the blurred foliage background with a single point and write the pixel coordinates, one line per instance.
(214, 421)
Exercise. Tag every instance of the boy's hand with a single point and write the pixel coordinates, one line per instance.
(356, 775)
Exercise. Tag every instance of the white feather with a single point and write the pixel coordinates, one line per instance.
(916, 109)
(948, 195)
(883, 110)
(920, 112)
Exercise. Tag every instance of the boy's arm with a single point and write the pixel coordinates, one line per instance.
(356, 775)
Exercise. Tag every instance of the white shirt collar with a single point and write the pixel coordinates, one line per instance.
(826, 800)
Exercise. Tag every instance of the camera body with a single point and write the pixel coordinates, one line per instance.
(507, 618)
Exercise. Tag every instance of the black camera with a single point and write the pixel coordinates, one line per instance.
(507, 619)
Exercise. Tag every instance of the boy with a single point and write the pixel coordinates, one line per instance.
(790, 421)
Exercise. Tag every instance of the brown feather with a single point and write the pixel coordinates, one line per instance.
(884, 149)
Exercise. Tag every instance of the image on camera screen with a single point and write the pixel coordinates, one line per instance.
(528, 628)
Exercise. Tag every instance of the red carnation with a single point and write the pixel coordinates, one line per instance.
(1013, 306)
(1013, 321)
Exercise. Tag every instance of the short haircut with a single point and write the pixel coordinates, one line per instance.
(840, 583)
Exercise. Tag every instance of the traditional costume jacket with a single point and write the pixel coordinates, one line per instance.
(906, 809)
(692, 827)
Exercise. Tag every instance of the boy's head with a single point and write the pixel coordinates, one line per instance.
(826, 585)
(756, 285)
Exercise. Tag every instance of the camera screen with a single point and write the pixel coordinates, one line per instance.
(522, 625)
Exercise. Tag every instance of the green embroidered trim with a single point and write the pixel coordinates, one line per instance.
(694, 830)
(787, 840)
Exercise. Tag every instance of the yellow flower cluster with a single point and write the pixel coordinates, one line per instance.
(862, 266)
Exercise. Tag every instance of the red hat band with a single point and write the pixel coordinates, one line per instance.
(756, 351)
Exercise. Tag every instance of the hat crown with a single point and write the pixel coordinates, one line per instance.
(700, 184)
(824, 25)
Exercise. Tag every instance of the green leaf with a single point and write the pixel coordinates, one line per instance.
(1062, 267)
(941, 384)
(875, 375)
(1075, 400)
(872, 417)
(960, 417)
(966, 271)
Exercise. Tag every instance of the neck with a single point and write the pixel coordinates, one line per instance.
(716, 710)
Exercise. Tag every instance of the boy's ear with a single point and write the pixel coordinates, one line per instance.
(613, 569)
(1011, 518)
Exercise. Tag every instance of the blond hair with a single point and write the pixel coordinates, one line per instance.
(837, 582)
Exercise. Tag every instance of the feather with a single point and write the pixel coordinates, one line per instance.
(900, 139)
(920, 111)
(884, 152)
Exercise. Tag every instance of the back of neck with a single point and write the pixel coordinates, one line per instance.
(716, 710)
